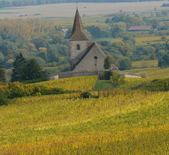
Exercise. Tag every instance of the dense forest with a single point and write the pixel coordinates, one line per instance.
(40, 2)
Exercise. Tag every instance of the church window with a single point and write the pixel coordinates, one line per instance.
(95, 57)
(78, 47)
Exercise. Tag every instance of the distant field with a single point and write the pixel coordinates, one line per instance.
(152, 72)
(87, 21)
(86, 9)
(143, 41)
(145, 64)
(140, 41)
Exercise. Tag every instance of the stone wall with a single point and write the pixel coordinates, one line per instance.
(90, 73)
(75, 74)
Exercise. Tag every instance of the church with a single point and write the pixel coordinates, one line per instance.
(84, 55)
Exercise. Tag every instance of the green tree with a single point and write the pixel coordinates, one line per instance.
(125, 64)
(107, 62)
(164, 61)
(18, 68)
(118, 29)
(3, 78)
(129, 39)
(33, 70)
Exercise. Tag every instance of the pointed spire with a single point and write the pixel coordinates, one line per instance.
(78, 31)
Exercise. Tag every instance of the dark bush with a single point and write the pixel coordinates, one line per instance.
(3, 98)
(85, 95)
(106, 75)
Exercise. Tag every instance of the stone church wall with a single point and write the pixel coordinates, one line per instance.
(94, 60)
(73, 48)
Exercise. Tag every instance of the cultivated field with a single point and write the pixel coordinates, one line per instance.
(68, 9)
(118, 122)
(145, 64)
(143, 41)
(121, 122)
(152, 72)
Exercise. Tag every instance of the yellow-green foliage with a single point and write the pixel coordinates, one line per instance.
(152, 72)
(133, 82)
(83, 83)
(143, 41)
(145, 64)
(124, 122)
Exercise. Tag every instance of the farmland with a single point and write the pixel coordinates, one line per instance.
(86, 9)
(143, 41)
(119, 121)
(145, 64)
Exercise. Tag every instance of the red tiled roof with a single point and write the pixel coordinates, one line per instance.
(78, 31)
(140, 28)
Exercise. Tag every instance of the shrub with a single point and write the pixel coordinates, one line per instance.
(117, 79)
(106, 75)
(85, 95)
(3, 98)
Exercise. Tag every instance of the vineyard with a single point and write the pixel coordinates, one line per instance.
(123, 122)
(145, 64)
(143, 41)
(76, 83)
(152, 72)
(118, 121)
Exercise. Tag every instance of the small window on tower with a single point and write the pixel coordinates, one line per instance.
(78, 47)
(95, 57)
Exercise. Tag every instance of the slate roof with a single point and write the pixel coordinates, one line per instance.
(77, 31)
(140, 28)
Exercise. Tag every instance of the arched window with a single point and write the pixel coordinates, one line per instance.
(78, 47)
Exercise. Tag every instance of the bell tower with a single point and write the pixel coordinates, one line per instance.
(77, 41)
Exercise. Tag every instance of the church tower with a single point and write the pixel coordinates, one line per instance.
(77, 42)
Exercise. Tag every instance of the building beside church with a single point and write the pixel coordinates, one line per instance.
(84, 55)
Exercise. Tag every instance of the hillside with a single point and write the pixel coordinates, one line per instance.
(118, 122)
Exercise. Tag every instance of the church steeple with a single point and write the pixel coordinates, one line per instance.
(77, 31)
